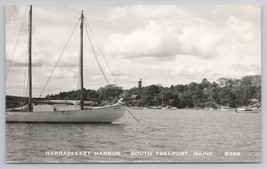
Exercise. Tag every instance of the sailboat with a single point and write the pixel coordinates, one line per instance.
(105, 114)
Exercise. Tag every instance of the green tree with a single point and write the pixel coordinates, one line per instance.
(109, 92)
(227, 98)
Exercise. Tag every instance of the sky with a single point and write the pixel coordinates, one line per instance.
(162, 44)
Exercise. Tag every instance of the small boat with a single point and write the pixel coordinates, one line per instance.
(169, 108)
(154, 107)
(226, 109)
(26, 113)
(15, 109)
(135, 108)
(247, 110)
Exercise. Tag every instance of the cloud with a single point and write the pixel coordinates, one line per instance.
(37, 63)
(167, 38)
(147, 42)
(241, 30)
(168, 31)
(249, 69)
(184, 70)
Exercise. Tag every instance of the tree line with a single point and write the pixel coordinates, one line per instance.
(227, 92)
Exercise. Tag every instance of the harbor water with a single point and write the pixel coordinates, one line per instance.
(161, 136)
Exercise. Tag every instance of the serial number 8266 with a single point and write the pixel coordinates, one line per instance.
(231, 153)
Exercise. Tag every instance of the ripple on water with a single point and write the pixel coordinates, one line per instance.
(181, 130)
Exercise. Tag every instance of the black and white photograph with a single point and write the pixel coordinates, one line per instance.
(136, 83)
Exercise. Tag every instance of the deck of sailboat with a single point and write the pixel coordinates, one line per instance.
(114, 106)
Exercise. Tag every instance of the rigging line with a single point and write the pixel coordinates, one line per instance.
(132, 115)
(96, 56)
(16, 44)
(72, 9)
(46, 83)
(101, 52)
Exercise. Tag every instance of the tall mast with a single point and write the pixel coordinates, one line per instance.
(81, 60)
(30, 61)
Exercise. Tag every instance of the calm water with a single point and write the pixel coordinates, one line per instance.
(159, 131)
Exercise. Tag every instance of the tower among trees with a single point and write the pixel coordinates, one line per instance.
(139, 85)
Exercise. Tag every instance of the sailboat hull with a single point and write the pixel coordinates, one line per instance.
(107, 114)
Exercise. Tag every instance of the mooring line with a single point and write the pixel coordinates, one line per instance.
(133, 115)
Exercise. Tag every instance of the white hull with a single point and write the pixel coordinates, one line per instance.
(154, 107)
(136, 108)
(169, 108)
(247, 110)
(107, 114)
(226, 109)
